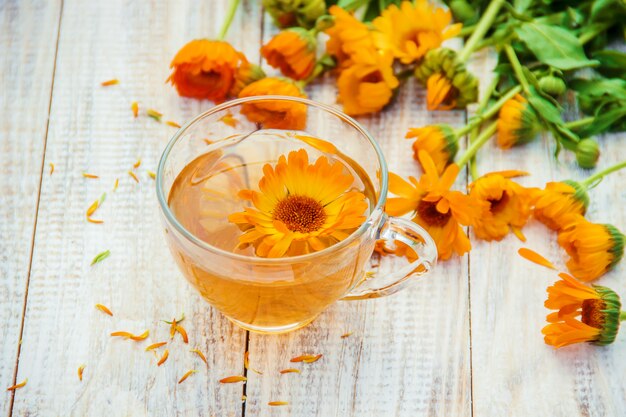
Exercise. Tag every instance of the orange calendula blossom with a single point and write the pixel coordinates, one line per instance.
(559, 200)
(275, 114)
(400, 249)
(584, 314)
(293, 52)
(593, 248)
(206, 69)
(507, 205)
(367, 85)
(301, 207)
(346, 36)
(517, 123)
(414, 28)
(437, 209)
(439, 141)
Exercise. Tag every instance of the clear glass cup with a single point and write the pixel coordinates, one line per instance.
(275, 295)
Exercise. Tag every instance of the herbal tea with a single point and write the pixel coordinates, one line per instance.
(273, 194)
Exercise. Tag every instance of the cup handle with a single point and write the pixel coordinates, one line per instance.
(394, 229)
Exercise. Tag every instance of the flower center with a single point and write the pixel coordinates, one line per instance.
(300, 213)
(592, 314)
(373, 77)
(499, 204)
(427, 211)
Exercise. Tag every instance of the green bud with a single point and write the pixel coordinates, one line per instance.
(553, 85)
(462, 10)
(587, 153)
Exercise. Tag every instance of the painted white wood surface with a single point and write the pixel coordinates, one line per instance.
(422, 352)
(28, 34)
(92, 129)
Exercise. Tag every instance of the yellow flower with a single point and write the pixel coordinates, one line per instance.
(507, 205)
(584, 314)
(346, 36)
(559, 200)
(437, 209)
(439, 141)
(448, 82)
(593, 248)
(300, 207)
(293, 52)
(206, 69)
(274, 114)
(247, 73)
(414, 29)
(367, 85)
(517, 123)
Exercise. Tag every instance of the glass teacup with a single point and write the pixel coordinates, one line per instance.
(222, 151)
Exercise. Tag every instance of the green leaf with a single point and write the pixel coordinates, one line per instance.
(612, 63)
(351, 5)
(554, 46)
(605, 11)
(604, 122)
(545, 109)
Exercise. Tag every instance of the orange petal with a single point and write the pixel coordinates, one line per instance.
(534, 257)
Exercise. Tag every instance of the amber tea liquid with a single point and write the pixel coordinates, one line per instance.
(251, 293)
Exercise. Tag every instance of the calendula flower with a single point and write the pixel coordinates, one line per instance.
(517, 123)
(507, 205)
(275, 114)
(593, 248)
(300, 207)
(414, 28)
(206, 69)
(437, 209)
(367, 85)
(293, 52)
(558, 201)
(449, 84)
(287, 13)
(346, 36)
(439, 141)
(584, 314)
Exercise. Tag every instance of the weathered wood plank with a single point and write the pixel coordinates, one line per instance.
(28, 35)
(408, 354)
(92, 129)
(514, 372)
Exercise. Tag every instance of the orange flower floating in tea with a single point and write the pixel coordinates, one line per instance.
(301, 207)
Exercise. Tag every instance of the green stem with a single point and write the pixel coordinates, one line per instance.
(475, 146)
(580, 122)
(232, 8)
(622, 315)
(597, 29)
(481, 29)
(472, 163)
(481, 117)
(599, 175)
(484, 101)
(517, 68)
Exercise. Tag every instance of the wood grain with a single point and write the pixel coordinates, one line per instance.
(514, 372)
(92, 129)
(28, 35)
(408, 354)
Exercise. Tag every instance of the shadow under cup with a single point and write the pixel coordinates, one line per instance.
(272, 295)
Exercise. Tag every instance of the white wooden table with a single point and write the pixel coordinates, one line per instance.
(464, 342)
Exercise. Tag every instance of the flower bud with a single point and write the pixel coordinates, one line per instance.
(287, 13)
(553, 85)
(587, 153)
